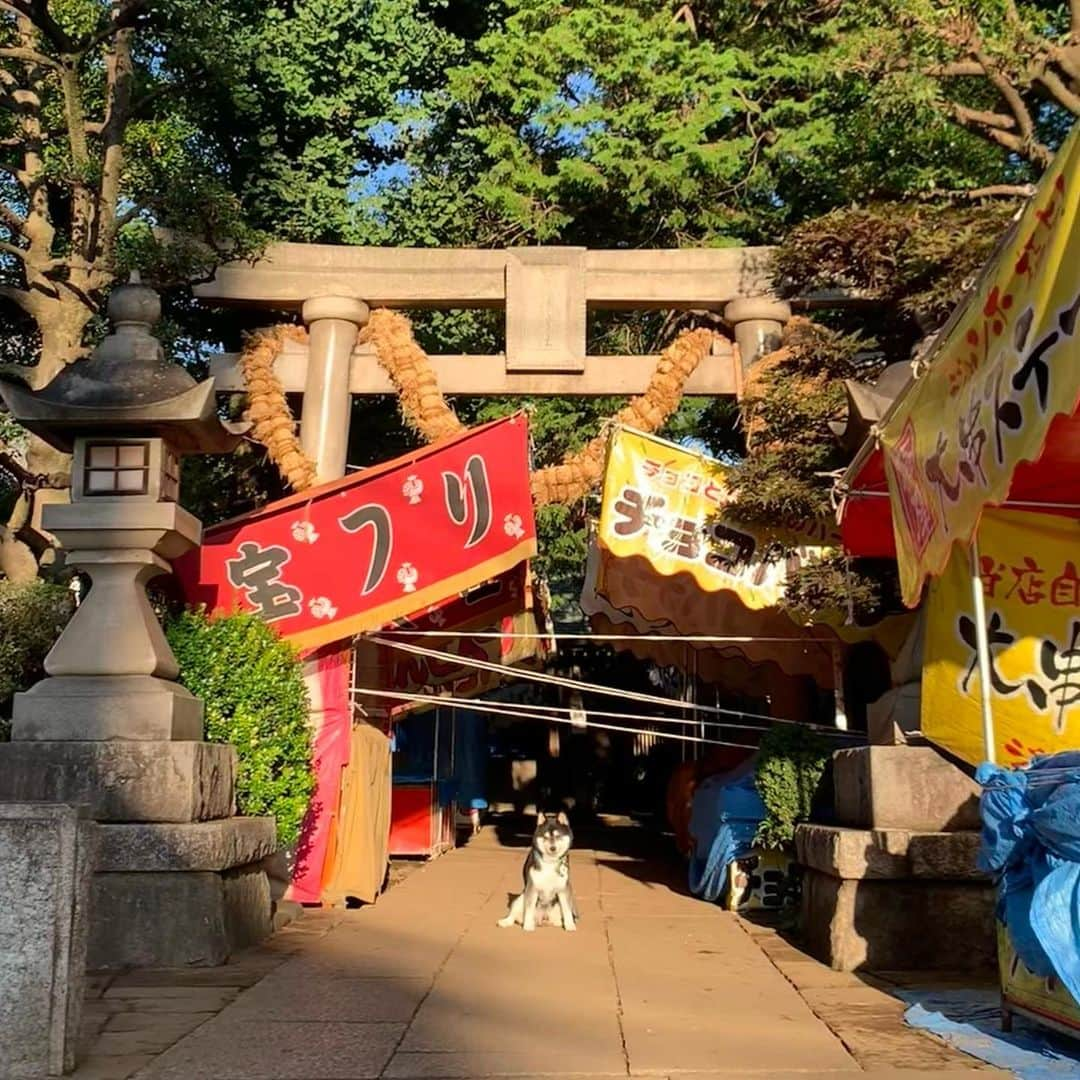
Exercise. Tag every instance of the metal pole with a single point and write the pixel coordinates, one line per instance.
(982, 645)
(840, 704)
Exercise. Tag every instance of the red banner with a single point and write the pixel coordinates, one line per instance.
(383, 544)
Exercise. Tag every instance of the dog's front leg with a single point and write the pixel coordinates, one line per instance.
(566, 905)
(528, 919)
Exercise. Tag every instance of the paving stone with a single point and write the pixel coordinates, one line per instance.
(227, 1049)
(180, 1023)
(110, 1068)
(170, 999)
(357, 1000)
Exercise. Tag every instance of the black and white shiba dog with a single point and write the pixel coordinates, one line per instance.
(548, 895)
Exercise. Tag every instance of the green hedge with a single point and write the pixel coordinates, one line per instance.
(253, 690)
(31, 618)
(791, 762)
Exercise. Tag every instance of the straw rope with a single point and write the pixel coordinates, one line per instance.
(427, 412)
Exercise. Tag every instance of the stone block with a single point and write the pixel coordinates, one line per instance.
(123, 781)
(132, 707)
(903, 787)
(888, 854)
(46, 863)
(894, 718)
(203, 845)
(178, 918)
(899, 925)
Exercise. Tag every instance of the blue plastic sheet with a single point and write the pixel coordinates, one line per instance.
(724, 816)
(1031, 842)
(970, 1021)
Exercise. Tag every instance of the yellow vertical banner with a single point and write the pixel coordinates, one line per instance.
(1006, 365)
(1030, 571)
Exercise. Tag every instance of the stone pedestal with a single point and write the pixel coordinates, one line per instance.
(46, 862)
(895, 887)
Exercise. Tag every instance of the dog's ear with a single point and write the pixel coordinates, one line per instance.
(541, 817)
(561, 818)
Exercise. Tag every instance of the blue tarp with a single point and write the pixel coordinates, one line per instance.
(970, 1020)
(1031, 842)
(724, 816)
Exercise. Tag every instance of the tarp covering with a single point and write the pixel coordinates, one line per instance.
(970, 1020)
(725, 815)
(356, 554)
(357, 862)
(1031, 842)
(1031, 587)
(326, 675)
(1002, 370)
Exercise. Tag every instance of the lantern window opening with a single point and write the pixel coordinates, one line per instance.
(114, 468)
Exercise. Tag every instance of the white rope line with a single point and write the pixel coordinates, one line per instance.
(704, 639)
(471, 705)
(438, 699)
(574, 684)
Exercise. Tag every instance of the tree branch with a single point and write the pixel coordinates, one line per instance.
(1059, 91)
(21, 298)
(119, 79)
(9, 463)
(15, 222)
(30, 56)
(37, 13)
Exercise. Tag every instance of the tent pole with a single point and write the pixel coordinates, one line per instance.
(982, 645)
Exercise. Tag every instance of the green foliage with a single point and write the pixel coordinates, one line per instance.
(784, 478)
(31, 618)
(791, 762)
(252, 687)
(919, 257)
(861, 589)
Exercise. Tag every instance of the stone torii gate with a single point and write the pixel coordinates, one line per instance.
(545, 292)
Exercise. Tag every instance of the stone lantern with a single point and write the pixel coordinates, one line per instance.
(109, 726)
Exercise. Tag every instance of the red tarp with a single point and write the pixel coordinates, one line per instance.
(387, 542)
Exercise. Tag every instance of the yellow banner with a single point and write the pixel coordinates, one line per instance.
(1005, 367)
(665, 503)
(1031, 588)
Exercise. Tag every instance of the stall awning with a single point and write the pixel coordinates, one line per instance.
(665, 554)
(992, 420)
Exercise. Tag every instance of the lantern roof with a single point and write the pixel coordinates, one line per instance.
(126, 387)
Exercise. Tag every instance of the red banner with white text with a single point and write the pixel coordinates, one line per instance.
(380, 545)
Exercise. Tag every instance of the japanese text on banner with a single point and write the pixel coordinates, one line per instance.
(664, 503)
(1006, 367)
(1031, 588)
(387, 543)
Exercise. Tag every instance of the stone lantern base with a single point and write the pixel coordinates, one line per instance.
(179, 880)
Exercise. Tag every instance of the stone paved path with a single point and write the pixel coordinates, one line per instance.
(423, 984)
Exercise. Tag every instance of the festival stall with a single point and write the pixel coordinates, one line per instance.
(677, 582)
(667, 561)
(403, 539)
(974, 474)
(439, 753)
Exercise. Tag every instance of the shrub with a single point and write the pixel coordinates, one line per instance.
(31, 618)
(791, 762)
(252, 686)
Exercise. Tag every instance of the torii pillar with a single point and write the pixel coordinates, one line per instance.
(333, 323)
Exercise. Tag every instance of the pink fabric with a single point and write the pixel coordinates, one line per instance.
(326, 673)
